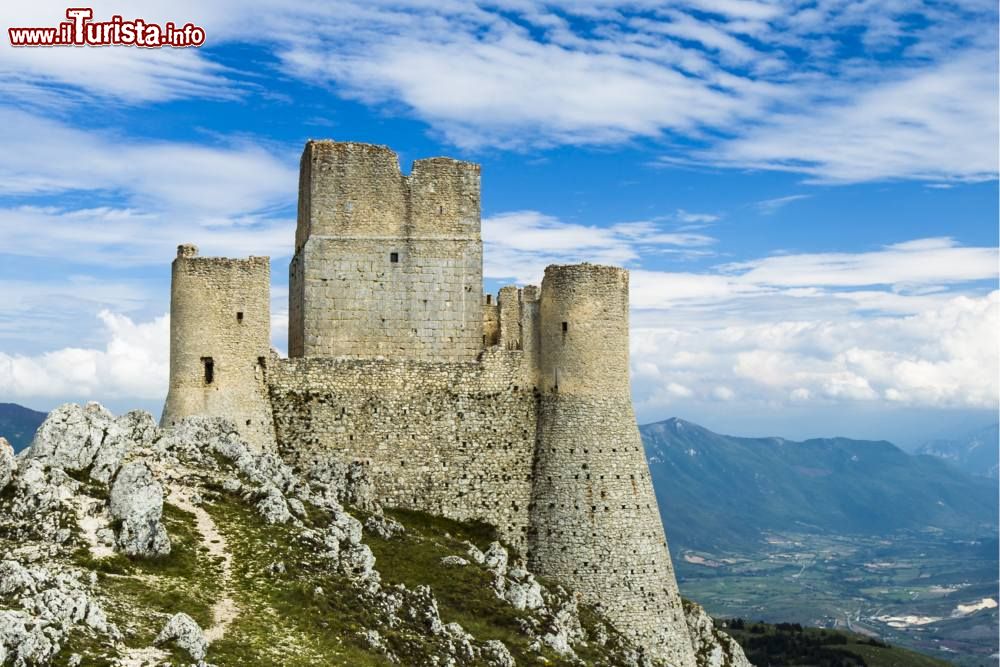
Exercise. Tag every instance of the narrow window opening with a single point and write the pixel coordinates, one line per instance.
(209, 367)
(489, 299)
(239, 317)
(394, 257)
(262, 362)
(565, 326)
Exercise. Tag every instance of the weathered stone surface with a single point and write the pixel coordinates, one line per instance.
(8, 464)
(273, 506)
(71, 435)
(454, 561)
(383, 526)
(137, 502)
(185, 633)
(496, 654)
(39, 503)
(712, 647)
(136, 428)
(520, 589)
(52, 605)
(220, 335)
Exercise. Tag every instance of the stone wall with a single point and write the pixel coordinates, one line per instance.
(220, 336)
(414, 298)
(385, 264)
(454, 439)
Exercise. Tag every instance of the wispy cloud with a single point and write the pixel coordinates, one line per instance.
(936, 122)
(520, 244)
(694, 219)
(232, 179)
(230, 198)
(769, 206)
(842, 92)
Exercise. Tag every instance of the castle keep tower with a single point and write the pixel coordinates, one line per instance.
(220, 340)
(385, 264)
(594, 519)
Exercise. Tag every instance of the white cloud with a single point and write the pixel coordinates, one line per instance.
(63, 76)
(755, 84)
(769, 206)
(134, 364)
(945, 357)
(213, 181)
(229, 199)
(935, 123)
(120, 238)
(907, 324)
(696, 218)
(520, 244)
(931, 261)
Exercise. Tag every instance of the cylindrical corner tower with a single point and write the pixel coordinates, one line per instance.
(220, 333)
(594, 520)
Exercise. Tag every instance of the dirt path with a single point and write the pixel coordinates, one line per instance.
(91, 519)
(225, 610)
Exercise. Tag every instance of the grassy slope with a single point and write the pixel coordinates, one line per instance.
(306, 615)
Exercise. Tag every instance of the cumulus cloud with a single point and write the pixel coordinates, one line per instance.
(908, 324)
(945, 357)
(134, 363)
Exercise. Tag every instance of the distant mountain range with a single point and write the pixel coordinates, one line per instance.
(718, 492)
(976, 452)
(18, 424)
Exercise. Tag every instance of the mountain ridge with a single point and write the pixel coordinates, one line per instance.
(976, 452)
(18, 424)
(716, 489)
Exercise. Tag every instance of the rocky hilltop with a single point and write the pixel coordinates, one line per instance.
(124, 544)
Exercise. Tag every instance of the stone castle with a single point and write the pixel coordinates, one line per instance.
(512, 408)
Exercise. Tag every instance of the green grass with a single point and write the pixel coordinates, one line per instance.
(464, 594)
(142, 594)
(282, 620)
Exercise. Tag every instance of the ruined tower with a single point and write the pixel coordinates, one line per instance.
(385, 264)
(220, 338)
(594, 519)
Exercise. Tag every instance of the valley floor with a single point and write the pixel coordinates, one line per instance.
(921, 590)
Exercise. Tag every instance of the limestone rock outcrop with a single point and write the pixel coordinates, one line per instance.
(8, 464)
(137, 502)
(185, 633)
(71, 436)
(712, 647)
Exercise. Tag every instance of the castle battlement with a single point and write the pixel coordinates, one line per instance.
(512, 408)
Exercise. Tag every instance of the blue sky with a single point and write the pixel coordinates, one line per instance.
(805, 192)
